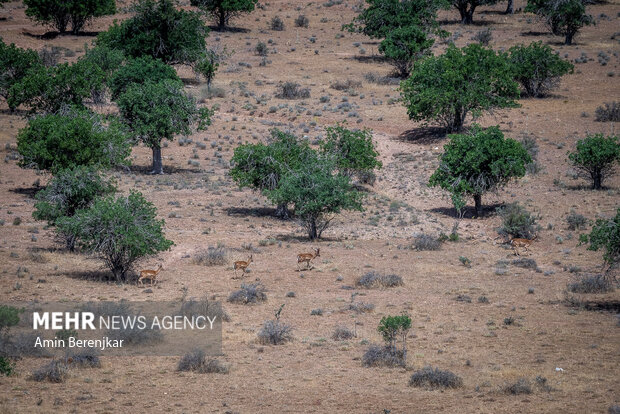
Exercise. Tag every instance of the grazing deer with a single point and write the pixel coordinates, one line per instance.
(149, 274)
(525, 243)
(307, 257)
(242, 265)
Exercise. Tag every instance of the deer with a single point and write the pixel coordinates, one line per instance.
(525, 243)
(240, 264)
(149, 274)
(307, 257)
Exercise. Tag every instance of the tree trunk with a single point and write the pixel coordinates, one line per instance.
(597, 180)
(568, 40)
(282, 211)
(157, 163)
(510, 8)
(467, 15)
(222, 19)
(312, 233)
(478, 204)
(457, 124)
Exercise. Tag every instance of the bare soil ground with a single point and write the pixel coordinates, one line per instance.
(202, 207)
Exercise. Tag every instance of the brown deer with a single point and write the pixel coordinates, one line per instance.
(307, 257)
(149, 274)
(240, 264)
(525, 243)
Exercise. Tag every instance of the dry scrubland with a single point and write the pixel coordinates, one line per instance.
(493, 323)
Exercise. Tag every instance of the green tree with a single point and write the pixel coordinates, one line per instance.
(120, 231)
(262, 166)
(58, 13)
(156, 111)
(47, 90)
(595, 157)
(161, 31)
(14, 64)
(353, 150)
(477, 162)
(393, 327)
(67, 192)
(223, 10)
(139, 71)
(318, 193)
(563, 17)
(74, 137)
(605, 234)
(447, 88)
(537, 68)
(405, 45)
(100, 62)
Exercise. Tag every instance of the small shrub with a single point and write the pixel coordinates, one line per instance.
(525, 263)
(7, 367)
(54, 371)
(203, 307)
(84, 358)
(373, 279)
(342, 333)
(213, 256)
(249, 293)
(435, 378)
(292, 90)
(517, 222)
(483, 36)
(301, 21)
(426, 242)
(196, 361)
(383, 356)
(576, 221)
(261, 49)
(362, 307)
(345, 85)
(316, 312)
(275, 332)
(608, 113)
(590, 284)
(522, 386)
(276, 24)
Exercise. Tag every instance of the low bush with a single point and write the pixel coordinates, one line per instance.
(84, 358)
(54, 371)
(196, 361)
(522, 386)
(383, 356)
(362, 307)
(292, 90)
(275, 332)
(610, 112)
(212, 256)
(302, 21)
(426, 242)
(342, 333)
(590, 284)
(345, 85)
(7, 367)
(373, 279)
(249, 293)
(276, 23)
(435, 378)
(517, 222)
(203, 307)
(576, 221)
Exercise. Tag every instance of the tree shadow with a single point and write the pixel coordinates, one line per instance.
(305, 239)
(27, 191)
(469, 212)
(146, 170)
(229, 29)
(8, 111)
(424, 135)
(251, 211)
(54, 34)
(475, 22)
(368, 59)
(104, 276)
(533, 33)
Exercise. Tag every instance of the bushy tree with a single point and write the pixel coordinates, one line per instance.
(352, 150)
(318, 193)
(139, 71)
(405, 45)
(537, 68)
(262, 166)
(14, 64)
(223, 10)
(405, 27)
(67, 192)
(161, 31)
(479, 161)
(58, 13)
(46, 90)
(106, 61)
(120, 231)
(156, 111)
(449, 87)
(563, 17)
(596, 157)
(71, 138)
(393, 327)
(605, 234)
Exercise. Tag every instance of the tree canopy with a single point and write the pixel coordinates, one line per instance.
(476, 162)
(563, 17)
(59, 13)
(352, 150)
(222, 11)
(139, 71)
(14, 65)
(595, 157)
(460, 82)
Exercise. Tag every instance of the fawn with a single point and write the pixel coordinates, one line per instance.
(242, 265)
(149, 274)
(307, 257)
(525, 243)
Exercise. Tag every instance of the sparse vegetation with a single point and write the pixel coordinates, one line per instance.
(196, 361)
(54, 371)
(424, 242)
(249, 293)
(373, 279)
(517, 222)
(430, 377)
(342, 333)
(590, 284)
(292, 90)
(212, 256)
(610, 112)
